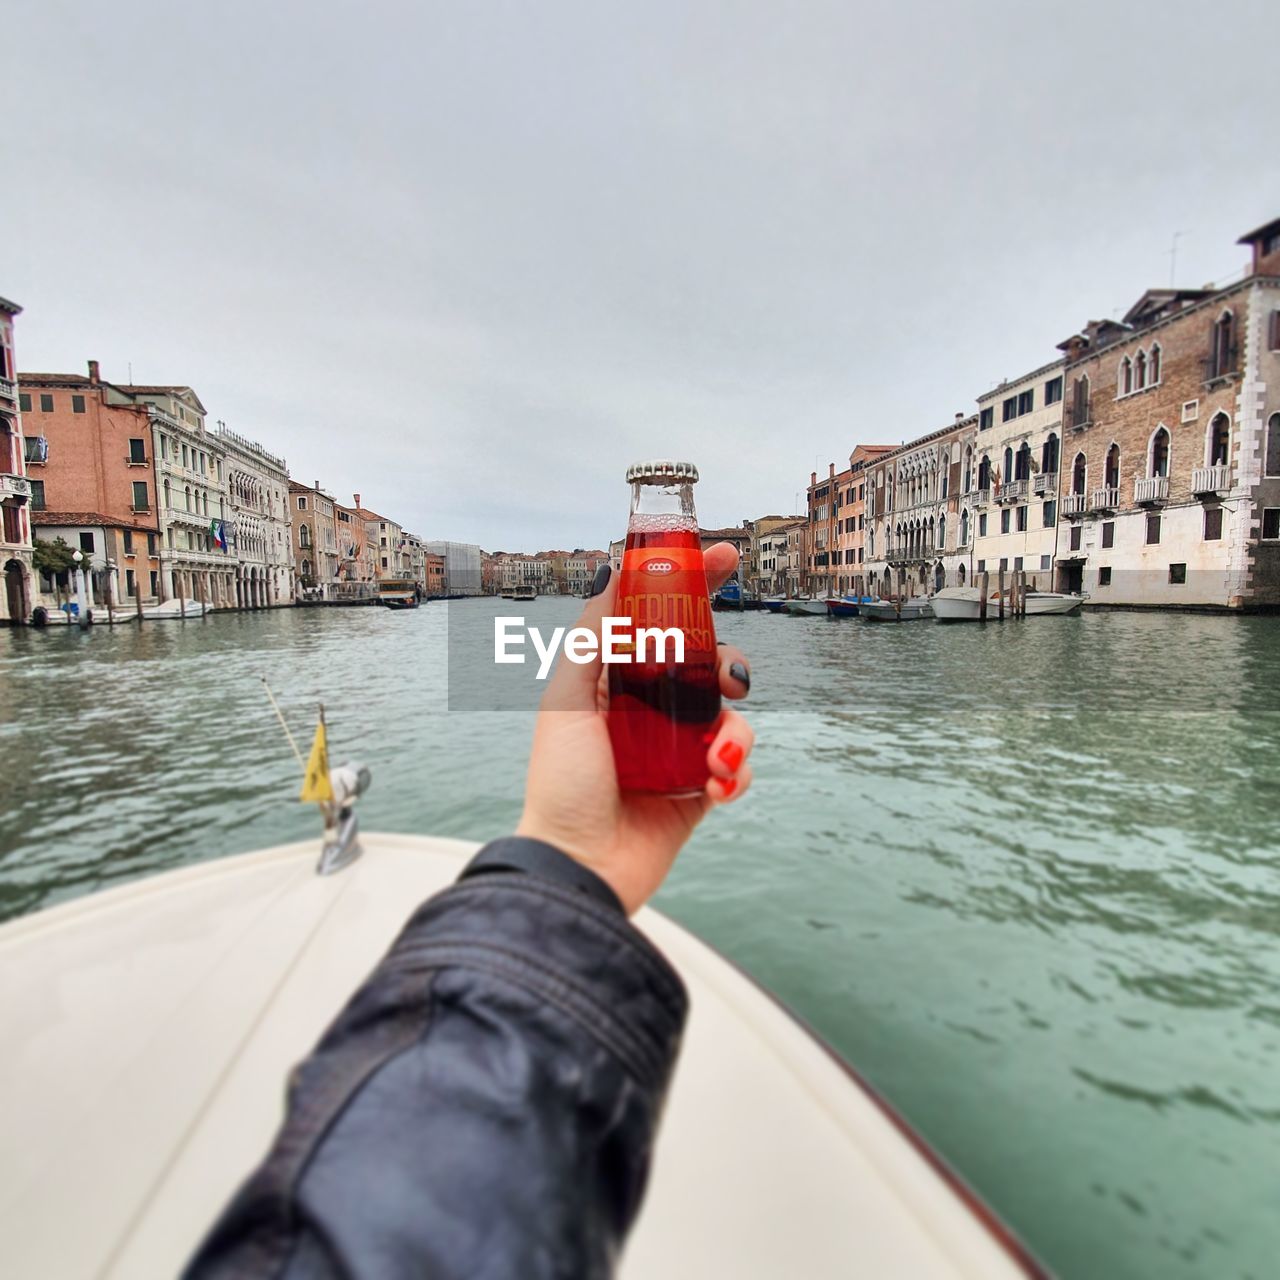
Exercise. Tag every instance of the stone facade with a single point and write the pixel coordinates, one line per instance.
(1012, 471)
(259, 526)
(17, 598)
(315, 540)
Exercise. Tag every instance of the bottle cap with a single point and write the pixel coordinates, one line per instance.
(660, 469)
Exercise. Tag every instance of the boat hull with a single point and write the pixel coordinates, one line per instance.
(886, 611)
(1042, 604)
(959, 604)
(156, 1024)
(807, 608)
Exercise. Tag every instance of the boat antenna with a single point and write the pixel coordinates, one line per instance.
(275, 706)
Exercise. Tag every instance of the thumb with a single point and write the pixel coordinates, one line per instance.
(573, 685)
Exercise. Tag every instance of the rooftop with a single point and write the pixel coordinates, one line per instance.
(44, 519)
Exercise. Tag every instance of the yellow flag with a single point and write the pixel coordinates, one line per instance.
(316, 785)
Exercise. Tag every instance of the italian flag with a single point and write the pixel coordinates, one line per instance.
(216, 533)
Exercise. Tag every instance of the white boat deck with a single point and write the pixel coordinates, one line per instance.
(149, 1030)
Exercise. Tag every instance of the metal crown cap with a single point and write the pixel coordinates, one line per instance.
(662, 469)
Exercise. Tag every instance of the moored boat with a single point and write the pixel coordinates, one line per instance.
(912, 609)
(960, 604)
(807, 606)
(171, 1010)
(1051, 602)
(846, 606)
(175, 609)
(774, 604)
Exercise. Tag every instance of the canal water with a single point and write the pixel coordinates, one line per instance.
(1025, 877)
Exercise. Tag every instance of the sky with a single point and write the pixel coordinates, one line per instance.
(472, 259)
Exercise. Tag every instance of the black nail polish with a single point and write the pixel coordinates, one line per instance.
(741, 674)
(600, 581)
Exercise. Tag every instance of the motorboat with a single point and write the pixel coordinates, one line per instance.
(180, 608)
(733, 596)
(1037, 603)
(774, 604)
(847, 605)
(807, 606)
(961, 604)
(398, 593)
(525, 593)
(912, 609)
(154, 1025)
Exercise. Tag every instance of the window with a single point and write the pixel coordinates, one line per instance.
(1108, 533)
(1080, 401)
(1004, 563)
(37, 494)
(986, 418)
(1049, 455)
(1160, 453)
(128, 542)
(1022, 520)
(1273, 444)
(1049, 514)
(1017, 563)
(77, 404)
(1153, 369)
(46, 403)
(1140, 371)
(1046, 562)
(1004, 520)
(1009, 410)
(1212, 524)
(130, 583)
(151, 544)
(982, 524)
(302, 503)
(1111, 473)
(982, 566)
(1222, 356)
(1153, 528)
(1177, 575)
(1271, 523)
(186, 460)
(1053, 390)
(1078, 474)
(1026, 402)
(24, 402)
(1076, 532)
(1104, 576)
(964, 528)
(155, 583)
(1124, 380)
(86, 542)
(1219, 440)
(137, 451)
(1273, 331)
(140, 500)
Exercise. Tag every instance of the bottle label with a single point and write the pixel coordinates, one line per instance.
(666, 587)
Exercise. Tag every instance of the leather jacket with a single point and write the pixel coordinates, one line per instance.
(486, 1103)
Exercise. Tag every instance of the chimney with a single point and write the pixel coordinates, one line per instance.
(831, 472)
(813, 478)
(316, 486)
(959, 418)
(94, 377)
(357, 498)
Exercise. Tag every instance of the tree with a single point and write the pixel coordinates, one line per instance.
(52, 558)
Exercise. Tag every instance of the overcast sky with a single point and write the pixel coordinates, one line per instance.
(471, 259)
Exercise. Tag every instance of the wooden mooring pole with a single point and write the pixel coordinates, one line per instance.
(983, 592)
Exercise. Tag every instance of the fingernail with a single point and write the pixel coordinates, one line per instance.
(600, 581)
(728, 786)
(731, 755)
(740, 673)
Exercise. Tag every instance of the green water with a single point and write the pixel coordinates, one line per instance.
(1026, 878)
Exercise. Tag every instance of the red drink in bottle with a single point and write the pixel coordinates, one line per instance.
(663, 713)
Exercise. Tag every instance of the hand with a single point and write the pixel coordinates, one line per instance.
(572, 799)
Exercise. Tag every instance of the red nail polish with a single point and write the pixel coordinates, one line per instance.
(731, 755)
(729, 786)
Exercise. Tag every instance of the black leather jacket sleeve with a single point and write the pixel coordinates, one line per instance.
(485, 1105)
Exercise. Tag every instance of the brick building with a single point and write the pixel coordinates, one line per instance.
(15, 491)
(824, 500)
(93, 482)
(1171, 453)
(315, 539)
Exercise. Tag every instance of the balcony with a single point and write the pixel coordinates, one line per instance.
(1215, 479)
(17, 488)
(180, 516)
(1151, 489)
(1073, 504)
(9, 389)
(1012, 491)
(1046, 482)
(981, 497)
(1104, 499)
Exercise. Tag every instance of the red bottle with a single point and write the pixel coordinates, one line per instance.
(663, 715)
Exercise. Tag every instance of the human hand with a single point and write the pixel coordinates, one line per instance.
(572, 799)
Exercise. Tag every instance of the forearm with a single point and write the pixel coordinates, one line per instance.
(485, 1105)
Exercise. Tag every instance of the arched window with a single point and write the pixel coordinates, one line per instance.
(1125, 381)
(306, 568)
(960, 575)
(984, 473)
(1049, 455)
(1007, 474)
(1140, 371)
(1112, 472)
(946, 475)
(1080, 400)
(1273, 446)
(1219, 440)
(1159, 453)
(1223, 359)
(304, 536)
(964, 528)
(968, 467)
(1153, 370)
(1078, 474)
(167, 503)
(188, 494)
(1022, 464)
(942, 531)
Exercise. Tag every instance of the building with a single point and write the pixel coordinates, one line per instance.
(386, 538)
(581, 567)
(825, 499)
(315, 540)
(433, 569)
(1011, 471)
(93, 483)
(15, 491)
(527, 573)
(849, 560)
(415, 560)
(1171, 446)
(461, 566)
(919, 515)
(770, 562)
(258, 525)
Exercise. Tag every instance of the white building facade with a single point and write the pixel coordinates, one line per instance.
(258, 525)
